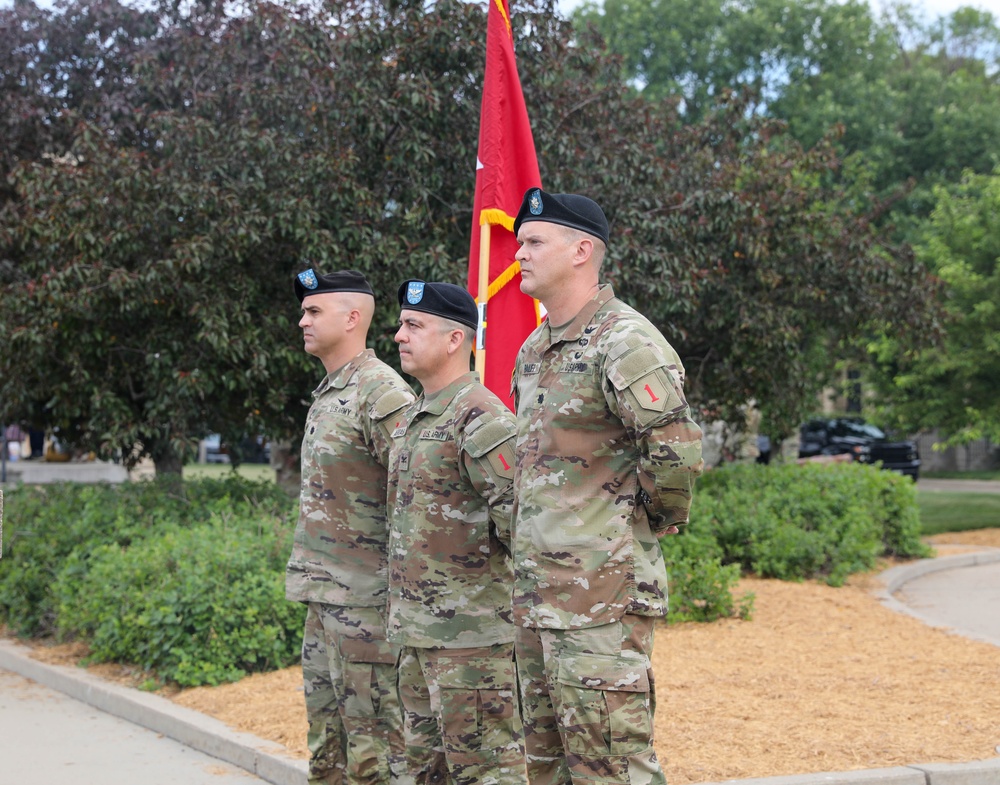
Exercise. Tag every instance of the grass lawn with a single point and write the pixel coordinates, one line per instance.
(949, 511)
(994, 475)
(252, 471)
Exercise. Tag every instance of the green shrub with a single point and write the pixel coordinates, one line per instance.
(701, 587)
(202, 605)
(55, 527)
(188, 580)
(810, 521)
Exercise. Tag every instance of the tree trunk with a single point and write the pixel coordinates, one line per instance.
(168, 463)
(285, 460)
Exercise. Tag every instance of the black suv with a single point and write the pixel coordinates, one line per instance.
(863, 441)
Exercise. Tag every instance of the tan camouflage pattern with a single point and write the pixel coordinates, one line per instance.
(607, 455)
(339, 551)
(463, 725)
(338, 565)
(449, 508)
(588, 699)
(352, 703)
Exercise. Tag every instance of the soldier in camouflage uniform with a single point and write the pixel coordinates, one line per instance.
(338, 563)
(449, 561)
(606, 459)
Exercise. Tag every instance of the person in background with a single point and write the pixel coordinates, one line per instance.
(338, 560)
(606, 458)
(449, 560)
(13, 441)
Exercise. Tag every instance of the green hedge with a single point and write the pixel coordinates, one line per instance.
(804, 521)
(203, 605)
(189, 582)
(185, 581)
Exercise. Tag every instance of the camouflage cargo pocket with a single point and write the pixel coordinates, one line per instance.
(478, 706)
(604, 704)
(363, 696)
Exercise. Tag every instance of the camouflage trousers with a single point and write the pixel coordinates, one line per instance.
(355, 721)
(462, 722)
(587, 699)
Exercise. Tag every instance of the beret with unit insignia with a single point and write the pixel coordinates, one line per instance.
(572, 210)
(310, 282)
(440, 299)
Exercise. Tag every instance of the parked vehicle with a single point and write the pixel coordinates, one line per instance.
(249, 450)
(863, 441)
(215, 451)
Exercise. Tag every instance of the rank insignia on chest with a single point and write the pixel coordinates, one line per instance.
(404, 461)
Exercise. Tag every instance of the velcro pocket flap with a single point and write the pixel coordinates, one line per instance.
(634, 365)
(389, 402)
(475, 673)
(366, 650)
(486, 433)
(603, 672)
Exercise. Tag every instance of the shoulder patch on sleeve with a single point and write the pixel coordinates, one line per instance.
(490, 441)
(645, 380)
(387, 401)
(633, 363)
(485, 433)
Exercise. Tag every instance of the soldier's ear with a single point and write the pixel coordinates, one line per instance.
(584, 251)
(456, 340)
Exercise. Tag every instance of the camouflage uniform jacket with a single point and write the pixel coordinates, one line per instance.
(450, 573)
(339, 551)
(606, 456)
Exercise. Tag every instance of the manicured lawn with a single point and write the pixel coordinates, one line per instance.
(950, 511)
(994, 475)
(252, 471)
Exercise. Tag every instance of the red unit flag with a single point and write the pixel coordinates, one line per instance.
(506, 167)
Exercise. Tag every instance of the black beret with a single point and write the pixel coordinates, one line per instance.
(573, 210)
(311, 282)
(441, 299)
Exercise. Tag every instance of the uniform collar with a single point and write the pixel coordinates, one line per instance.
(574, 330)
(439, 401)
(338, 379)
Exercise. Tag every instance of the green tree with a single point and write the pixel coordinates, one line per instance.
(726, 233)
(695, 52)
(148, 282)
(916, 103)
(952, 386)
(146, 277)
(914, 114)
(57, 69)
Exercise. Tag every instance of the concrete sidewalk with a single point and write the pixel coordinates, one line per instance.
(207, 735)
(960, 592)
(964, 486)
(46, 736)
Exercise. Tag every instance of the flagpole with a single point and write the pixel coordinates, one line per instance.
(484, 289)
